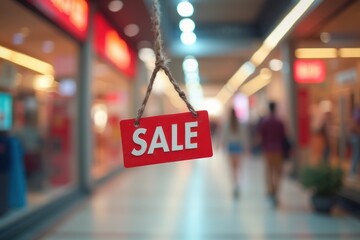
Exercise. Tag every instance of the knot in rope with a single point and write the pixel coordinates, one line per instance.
(160, 63)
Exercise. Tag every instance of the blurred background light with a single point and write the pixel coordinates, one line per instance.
(190, 64)
(249, 67)
(185, 9)
(100, 116)
(188, 38)
(316, 53)
(115, 5)
(241, 106)
(43, 82)
(146, 54)
(192, 81)
(213, 106)
(349, 52)
(265, 73)
(325, 37)
(271, 41)
(275, 65)
(131, 30)
(26, 61)
(187, 25)
(287, 23)
(67, 87)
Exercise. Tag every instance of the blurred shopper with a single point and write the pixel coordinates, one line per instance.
(234, 144)
(324, 132)
(272, 140)
(355, 141)
(32, 143)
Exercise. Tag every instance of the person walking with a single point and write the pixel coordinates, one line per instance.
(272, 134)
(233, 141)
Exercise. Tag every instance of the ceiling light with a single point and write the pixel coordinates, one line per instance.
(249, 68)
(146, 55)
(257, 83)
(190, 64)
(187, 25)
(224, 94)
(115, 5)
(131, 30)
(268, 45)
(325, 37)
(192, 80)
(316, 53)
(213, 106)
(287, 23)
(275, 64)
(280, 31)
(265, 73)
(188, 38)
(26, 61)
(259, 56)
(185, 9)
(349, 52)
(43, 81)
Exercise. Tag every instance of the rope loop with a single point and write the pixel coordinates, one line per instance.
(160, 64)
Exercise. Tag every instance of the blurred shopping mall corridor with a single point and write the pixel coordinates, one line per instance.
(193, 200)
(71, 70)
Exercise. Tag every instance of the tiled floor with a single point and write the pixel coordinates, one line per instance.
(193, 200)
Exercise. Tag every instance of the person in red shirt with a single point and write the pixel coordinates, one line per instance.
(272, 134)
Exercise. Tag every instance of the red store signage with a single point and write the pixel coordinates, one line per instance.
(309, 71)
(72, 15)
(112, 47)
(166, 138)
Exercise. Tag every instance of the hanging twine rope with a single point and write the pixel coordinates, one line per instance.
(160, 64)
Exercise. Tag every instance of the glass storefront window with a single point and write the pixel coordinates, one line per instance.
(110, 93)
(38, 70)
(334, 108)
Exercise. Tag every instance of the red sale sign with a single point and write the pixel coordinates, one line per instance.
(166, 138)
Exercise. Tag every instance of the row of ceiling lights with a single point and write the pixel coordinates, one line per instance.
(130, 30)
(188, 37)
(186, 25)
(271, 41)
(190, 65)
